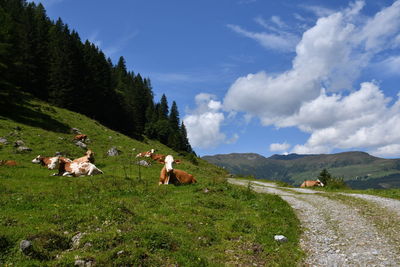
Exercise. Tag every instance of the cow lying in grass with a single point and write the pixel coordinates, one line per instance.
(312, 183)
(160, 158)
(67, 167)
(145, 154)
(77, 169)
(80, 137)
(89, 157)
(8, 162)
(169, 175)
(51, 163)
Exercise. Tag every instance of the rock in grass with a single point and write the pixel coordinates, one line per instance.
(79, 263)
(19, 143)
(23, 149)
(113, 152)
(25, 246)
(76, 239)
(280, 238)
(81, 144)
(143, 163)
(3, 141)
(84, 263)
(76, 131)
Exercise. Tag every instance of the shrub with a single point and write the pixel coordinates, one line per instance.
(330, 181)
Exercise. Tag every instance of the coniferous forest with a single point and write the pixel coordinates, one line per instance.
(49, 61)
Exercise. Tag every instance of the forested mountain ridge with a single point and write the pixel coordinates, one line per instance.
(48, 60)
(359, 169)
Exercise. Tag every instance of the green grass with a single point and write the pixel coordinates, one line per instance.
(389, 193)
(127, 219)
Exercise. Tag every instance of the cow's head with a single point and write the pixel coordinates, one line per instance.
(37, 160)
(319, 183)
(168, 163)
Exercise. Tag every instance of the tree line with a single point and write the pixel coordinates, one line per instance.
(49, 61)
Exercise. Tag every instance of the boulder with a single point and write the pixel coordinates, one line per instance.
(81, 144)
(143, 163)
(3, 141)
(25, 246)
(76, 131)
(76, 239)
(113, 152)
(19, 143)
(280, 238)
(23, 149)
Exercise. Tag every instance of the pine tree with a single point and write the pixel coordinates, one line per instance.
(49, 61)
(64, 67)
(41, 52)
(174, 117)
(163, 111)
(324, 176)
(7, 53)
(185, 145)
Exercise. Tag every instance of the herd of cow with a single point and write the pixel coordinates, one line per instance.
(85, 166)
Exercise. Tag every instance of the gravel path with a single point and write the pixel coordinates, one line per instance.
(336, 234)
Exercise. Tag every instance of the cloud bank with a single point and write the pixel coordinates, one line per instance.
(317, 95)
(204, 124)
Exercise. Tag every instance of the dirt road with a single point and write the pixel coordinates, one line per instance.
(342, 229)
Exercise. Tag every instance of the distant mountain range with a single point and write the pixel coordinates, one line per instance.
(359, 169)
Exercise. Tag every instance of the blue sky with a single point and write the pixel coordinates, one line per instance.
(260, 76)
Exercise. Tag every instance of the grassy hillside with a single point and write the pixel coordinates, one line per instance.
(123, 217)
(359, 169)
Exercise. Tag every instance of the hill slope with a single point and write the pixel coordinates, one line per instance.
(359, 169)
(123, 217)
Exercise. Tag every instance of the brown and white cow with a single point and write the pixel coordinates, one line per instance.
(51, 163)
(89, 157)
(80, 137)
(312, 183)
(8, 162)
(160, 158)
(78, 169)
(169, 175)
(145, 154)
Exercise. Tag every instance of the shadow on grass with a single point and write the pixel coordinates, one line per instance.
(18, 109)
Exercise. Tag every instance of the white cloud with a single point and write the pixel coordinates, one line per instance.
(387, 151)
(278, 21)
(319, 10)
(204, 124)
(93, 38)
(314, 94)
(280, 41)
(279, 147)
(112, 49)
(361, 119)
(119, 44)
(391, 65)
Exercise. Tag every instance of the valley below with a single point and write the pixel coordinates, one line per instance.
(358, 169)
